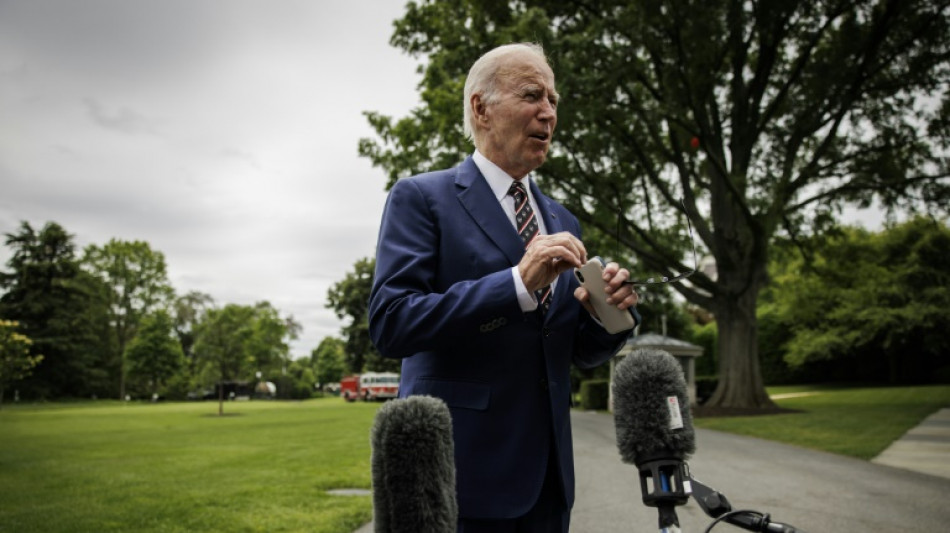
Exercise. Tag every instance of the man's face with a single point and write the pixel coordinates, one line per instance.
(517, 127)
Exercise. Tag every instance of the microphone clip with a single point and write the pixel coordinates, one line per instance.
(664, 481)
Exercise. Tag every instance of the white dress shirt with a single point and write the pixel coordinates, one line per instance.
(500, 182)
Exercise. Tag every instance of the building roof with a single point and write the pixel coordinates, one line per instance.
(661, 342)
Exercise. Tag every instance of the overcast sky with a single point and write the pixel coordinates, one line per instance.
(223, 133)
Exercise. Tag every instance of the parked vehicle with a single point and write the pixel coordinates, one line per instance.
(370, 386)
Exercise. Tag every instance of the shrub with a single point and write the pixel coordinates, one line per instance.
(594, 394)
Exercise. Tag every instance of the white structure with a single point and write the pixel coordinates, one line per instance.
(683, 351)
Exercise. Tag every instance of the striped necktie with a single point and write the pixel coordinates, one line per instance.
(527, 225)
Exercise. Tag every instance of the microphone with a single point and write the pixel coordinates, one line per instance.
(413, 465)
(654, 428)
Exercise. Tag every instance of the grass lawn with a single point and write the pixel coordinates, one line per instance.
(266, 466)
(107, 466)
(856, 421)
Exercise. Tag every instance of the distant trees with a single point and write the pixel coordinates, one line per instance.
(63, 309)
(865, 305)
(328, 360)
(349, 298)
(111, 322)
(137, 283)
(155, 354)
(236, 341)
(15, 359)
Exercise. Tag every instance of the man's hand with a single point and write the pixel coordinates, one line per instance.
(549, 255)
(623, 296)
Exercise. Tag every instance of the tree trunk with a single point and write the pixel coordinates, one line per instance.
(221, 399)
(740, 376)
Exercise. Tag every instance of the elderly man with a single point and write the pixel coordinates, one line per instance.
(474, 291)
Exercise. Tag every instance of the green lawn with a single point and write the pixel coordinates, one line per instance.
(265, 466)
(856, 421)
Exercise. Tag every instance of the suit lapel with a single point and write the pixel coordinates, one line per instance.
(553, 225)
(478, 200)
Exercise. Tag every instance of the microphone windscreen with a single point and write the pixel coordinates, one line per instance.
(651, 408)
(413, 466)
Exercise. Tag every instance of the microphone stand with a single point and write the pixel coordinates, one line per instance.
(666, 482)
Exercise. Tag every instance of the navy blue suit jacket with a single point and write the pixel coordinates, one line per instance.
(444, 300)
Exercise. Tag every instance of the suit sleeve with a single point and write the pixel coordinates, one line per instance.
(407, 312)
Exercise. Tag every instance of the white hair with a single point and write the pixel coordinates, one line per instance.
(483, 75)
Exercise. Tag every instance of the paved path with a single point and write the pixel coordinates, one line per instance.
(812, 490)
(925, 448)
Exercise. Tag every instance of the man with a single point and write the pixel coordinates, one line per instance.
(485, 322)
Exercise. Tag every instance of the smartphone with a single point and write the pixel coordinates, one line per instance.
(590, 276)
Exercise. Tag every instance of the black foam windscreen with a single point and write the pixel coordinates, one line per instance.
(651, 408)
(413, 466)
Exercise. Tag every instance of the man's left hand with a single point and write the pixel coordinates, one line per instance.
(619, 294)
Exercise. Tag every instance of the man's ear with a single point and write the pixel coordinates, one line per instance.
(479, 109)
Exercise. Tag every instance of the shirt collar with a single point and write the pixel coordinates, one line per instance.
(497, 179)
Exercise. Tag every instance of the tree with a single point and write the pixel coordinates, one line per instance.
(189, 309)
(269, 344)
(61, 308)
(154, 354)
(233, 342)
(328, 364)
(222, 345)
(349, 298)
(138, 284)
(15, 359)
(877, 302)
(766, 118)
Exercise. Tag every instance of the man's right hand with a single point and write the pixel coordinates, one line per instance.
(549, 255)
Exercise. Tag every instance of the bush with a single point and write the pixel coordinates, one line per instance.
(705, 386)
(594, 393)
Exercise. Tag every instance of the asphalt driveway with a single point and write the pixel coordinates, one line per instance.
(814, 491)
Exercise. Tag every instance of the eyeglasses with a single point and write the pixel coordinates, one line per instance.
(667, 279)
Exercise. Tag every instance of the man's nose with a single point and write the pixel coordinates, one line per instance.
(547, 111)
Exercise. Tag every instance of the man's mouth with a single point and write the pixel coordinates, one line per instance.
(540, 136)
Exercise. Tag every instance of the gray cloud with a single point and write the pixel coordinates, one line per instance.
(223, 133)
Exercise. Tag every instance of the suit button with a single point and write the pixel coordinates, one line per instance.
(544, 383)
(546, 332)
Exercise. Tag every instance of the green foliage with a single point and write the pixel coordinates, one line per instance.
(171, 468)
(298, 382)
(223, 341)
(137, 283)
(15, 359)
(154, 354)
(62, 309)
(328, 360)
(661, 312)
(707, 337)
(349, 298)
(795, 109)
(235, 342)
(594, 394)
(877, 302)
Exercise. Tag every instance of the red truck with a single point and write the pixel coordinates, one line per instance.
(370, 386)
